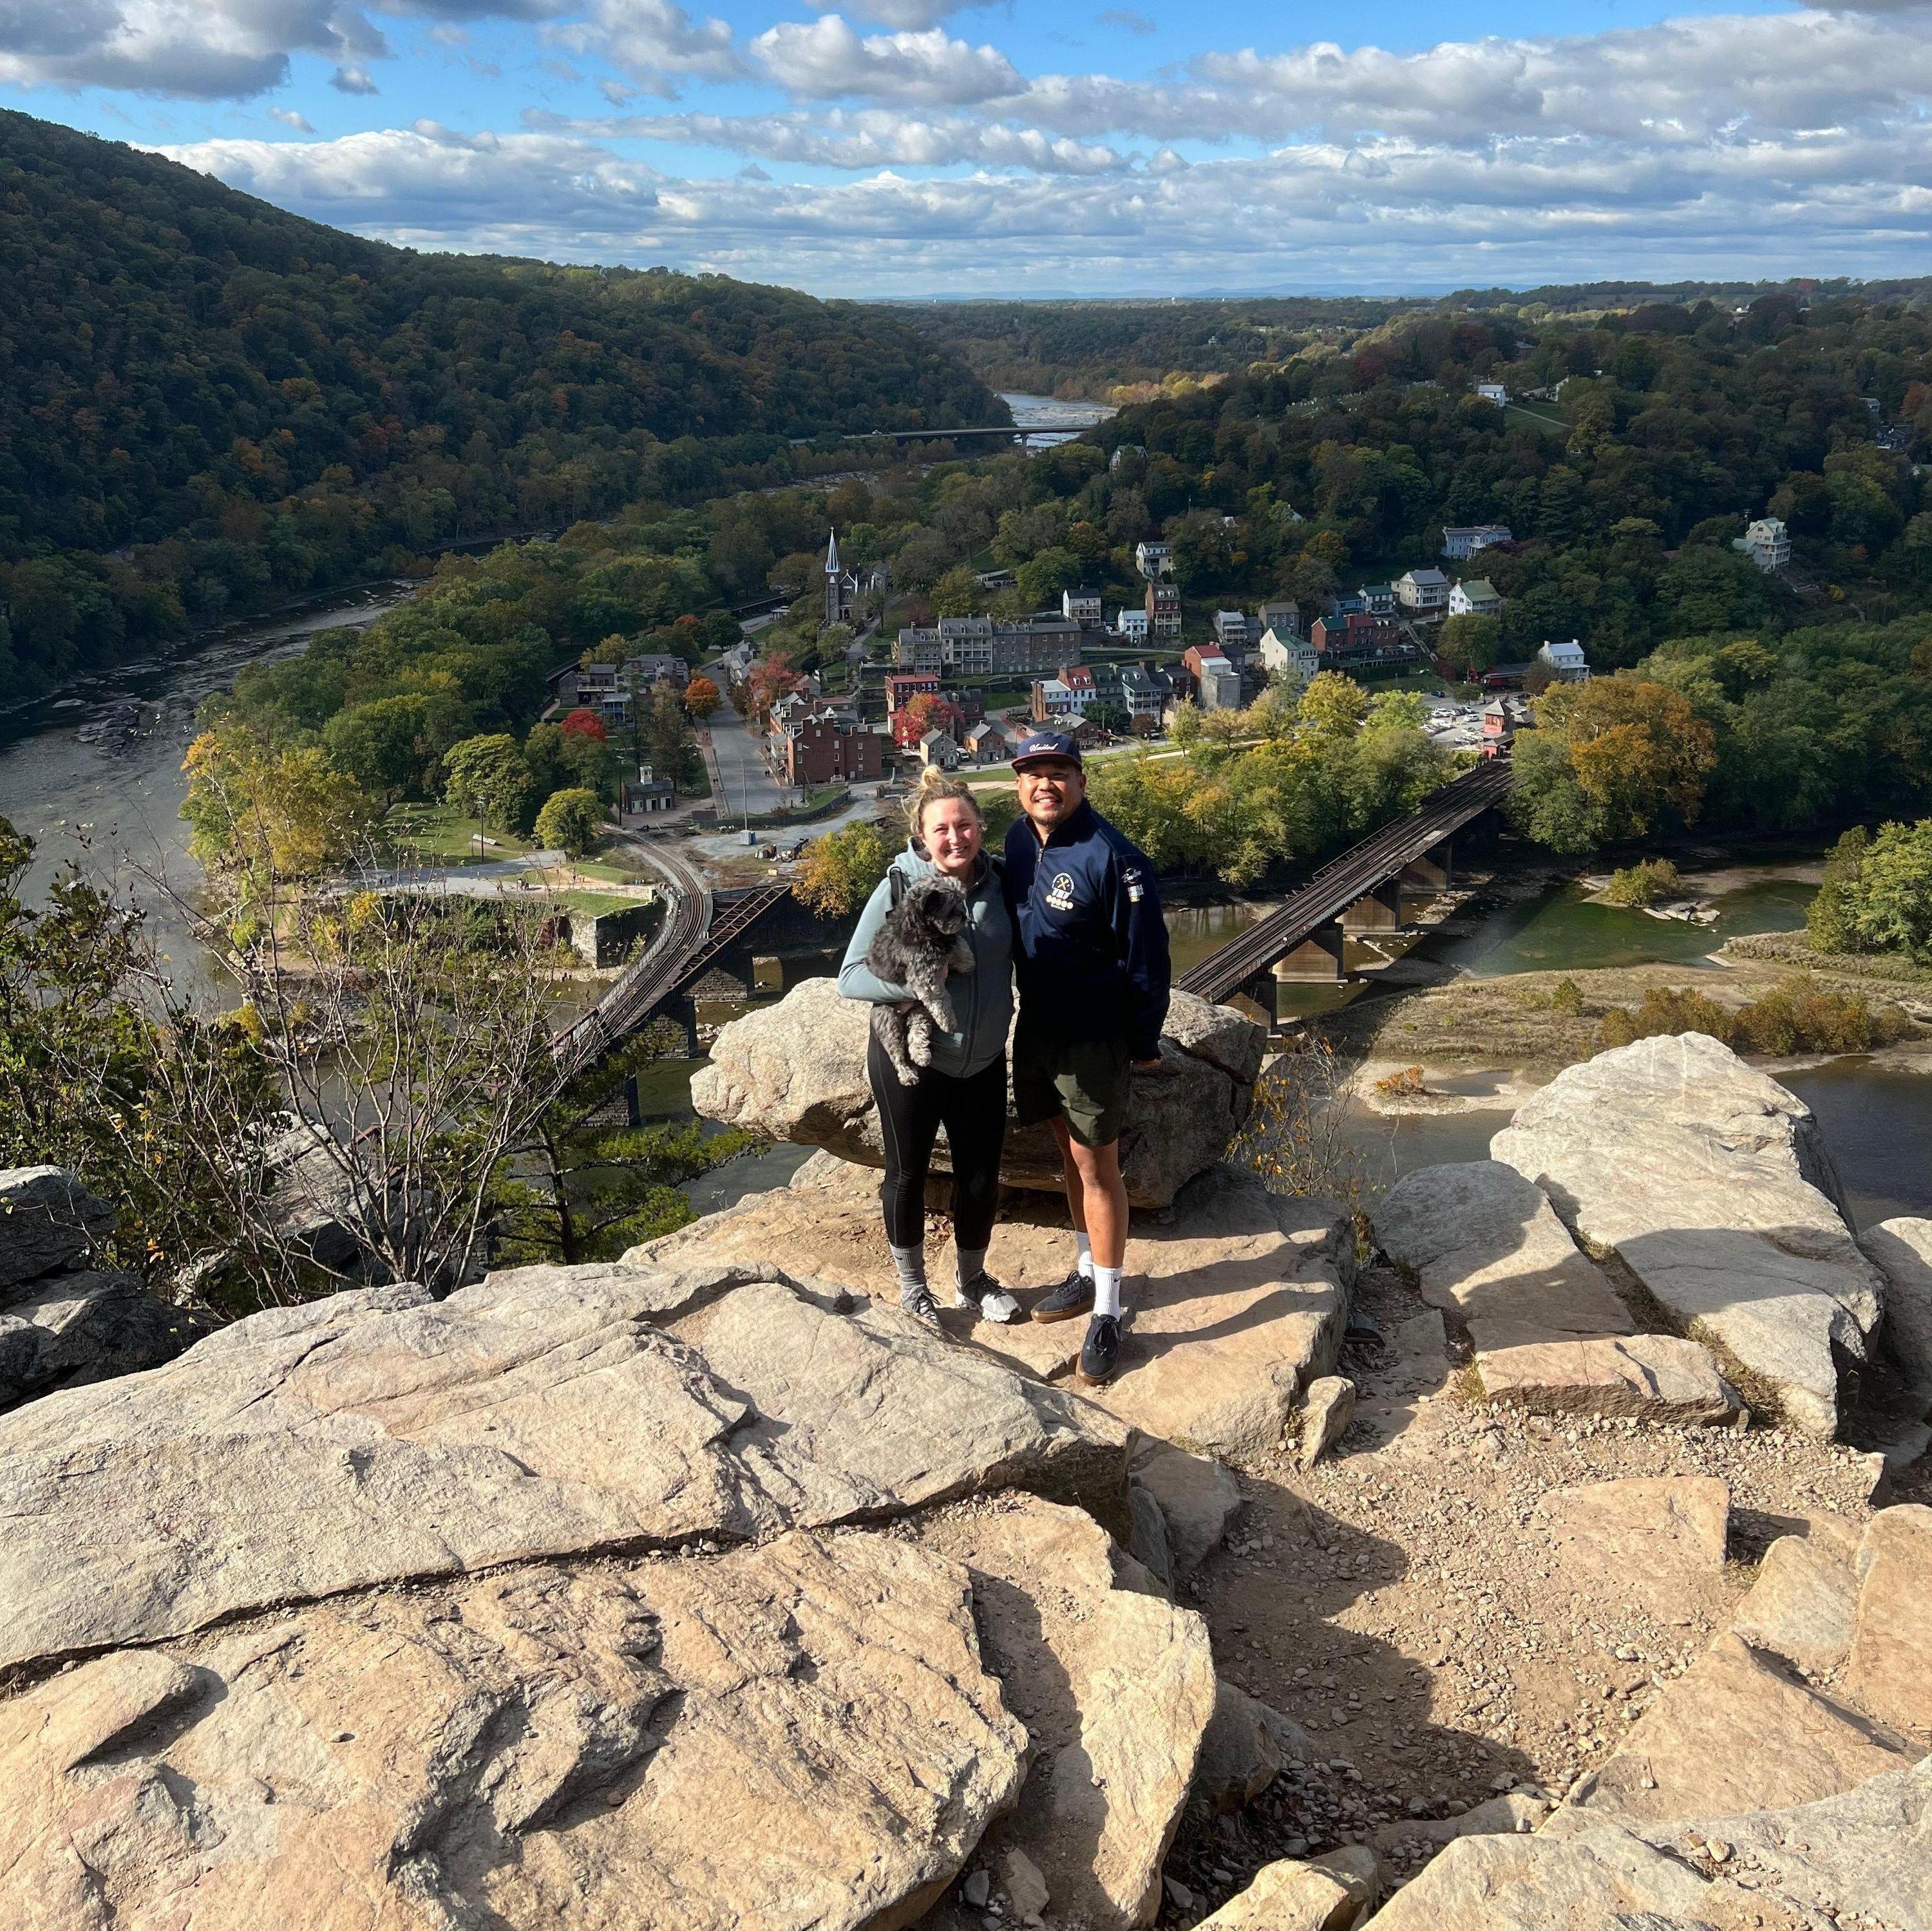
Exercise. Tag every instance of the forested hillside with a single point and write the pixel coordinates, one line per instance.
(207, 405)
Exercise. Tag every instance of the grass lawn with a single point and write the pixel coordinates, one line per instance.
(440, 833)
(596, 905)
(1541, 414)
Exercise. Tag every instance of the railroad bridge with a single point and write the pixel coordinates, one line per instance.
(1300, 942)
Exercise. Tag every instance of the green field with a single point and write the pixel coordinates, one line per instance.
(441, 835)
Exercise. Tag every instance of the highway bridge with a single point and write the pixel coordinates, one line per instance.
(1362, 891)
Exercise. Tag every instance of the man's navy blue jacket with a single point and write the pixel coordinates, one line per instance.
(1091, 954)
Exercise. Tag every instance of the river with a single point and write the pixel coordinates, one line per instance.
(117, 810)
(1048, 421)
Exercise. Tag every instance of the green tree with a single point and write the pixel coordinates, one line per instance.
(488, 776)
(1830, 921)
(1042, 578)
(1891, 901)
(1471, 644)
(841, 871)
(257, 812)
(670, 743)
(571, 821)
(956, 593)
(1334, 705)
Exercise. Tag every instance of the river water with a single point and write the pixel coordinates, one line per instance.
(117, 811)
(1048, 421)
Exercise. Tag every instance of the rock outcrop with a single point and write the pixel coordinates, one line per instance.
(378, 1436)
(1902, 1249)
(1236, 1300)
(1665, 1536)
(796, 1070)
(1650, 1377)
(1710, 1182)
(1485, 1243)
(1888, 1672)
(62, 1323)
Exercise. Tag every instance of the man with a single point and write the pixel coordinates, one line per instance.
(1090, 951)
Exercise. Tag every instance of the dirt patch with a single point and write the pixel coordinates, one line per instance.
(1400, 1603)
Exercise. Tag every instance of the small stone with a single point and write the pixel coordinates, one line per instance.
(1178, 1895)
(977, 1888)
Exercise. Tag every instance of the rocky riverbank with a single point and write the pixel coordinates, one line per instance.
(1476, 1570)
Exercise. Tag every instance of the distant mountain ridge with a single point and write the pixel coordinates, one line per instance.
(207, 403)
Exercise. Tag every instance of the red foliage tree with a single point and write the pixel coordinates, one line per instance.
(586, 723)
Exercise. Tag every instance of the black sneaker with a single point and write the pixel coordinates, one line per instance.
(1074, 1296)
(988, 1298)
(1100, 1351)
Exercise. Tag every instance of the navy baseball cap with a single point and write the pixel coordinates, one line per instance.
(1047, 743)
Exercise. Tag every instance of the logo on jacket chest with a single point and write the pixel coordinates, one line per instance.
(1059, 893)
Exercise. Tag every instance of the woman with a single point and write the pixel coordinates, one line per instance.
(965, 1088)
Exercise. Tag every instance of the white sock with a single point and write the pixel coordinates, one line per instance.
(1107, 1291)
(1085, 1265)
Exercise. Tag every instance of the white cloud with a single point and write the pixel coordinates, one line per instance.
(352, 80)
(1387, 213)
(200, 49)
(826, 60)
(914, 14)
(855, 138)
(656, 42)
(289, 118)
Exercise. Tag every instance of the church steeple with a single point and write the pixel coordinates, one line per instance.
(832, 556)
(835, 582)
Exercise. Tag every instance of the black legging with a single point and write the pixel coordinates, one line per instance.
(974, 1112)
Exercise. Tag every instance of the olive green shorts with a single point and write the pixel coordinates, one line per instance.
(1086, 1081)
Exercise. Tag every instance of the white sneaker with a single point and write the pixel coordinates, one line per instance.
(987, 1299)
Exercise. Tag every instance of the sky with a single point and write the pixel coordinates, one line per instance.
(922, 148)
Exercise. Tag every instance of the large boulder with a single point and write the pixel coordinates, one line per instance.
(796, 1070)
(378, 1436)
(799, 1736)
(1889, 1671)
(1236, 1301)
(1485, 1243)
(48, 1222)
(1804, 1602)
(1710, 1182)
(73, 1329)
(1649, 1377)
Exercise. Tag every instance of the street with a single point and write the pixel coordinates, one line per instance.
(746, 787)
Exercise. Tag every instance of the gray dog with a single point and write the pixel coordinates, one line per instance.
(921, 942)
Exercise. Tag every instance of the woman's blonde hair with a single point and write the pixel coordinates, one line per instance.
(934, 787)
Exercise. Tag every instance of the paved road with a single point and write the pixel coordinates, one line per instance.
(746, 785)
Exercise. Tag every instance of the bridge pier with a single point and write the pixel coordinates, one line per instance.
(1432, 872)
(1379, 909)
(1317, 961)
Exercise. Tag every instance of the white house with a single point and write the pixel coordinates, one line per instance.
(1423, 593)
(1231, 630)
(1131, 623)
(1153, 559)
(1081, 606)
(1292, 657)
(1477, 598)
(1463, 539)
(1565, 662)
(1493, 392)
(1766, 543)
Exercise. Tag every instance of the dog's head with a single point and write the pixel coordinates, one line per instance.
(938, 905)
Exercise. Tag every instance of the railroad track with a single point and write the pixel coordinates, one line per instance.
(1340, 883)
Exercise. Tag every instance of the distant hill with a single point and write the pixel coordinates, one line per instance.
(1119, 350)
(207, 404)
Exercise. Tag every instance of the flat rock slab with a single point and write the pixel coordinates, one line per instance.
(48, 1221)
(1902, 1249)
(1857, 1859)
(1804, 1602)
(1735, 1733)
(375, 1436)
(1662, 1538)
(1889, 1671)
(1116, 1687)
(1484, 1243)
(800, 1735)
(1605, 1880)
(1711, 1183)
(796, 1070)
(1236, 1301)
(1653, 1377)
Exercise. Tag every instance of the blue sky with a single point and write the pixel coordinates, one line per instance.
(913, 147)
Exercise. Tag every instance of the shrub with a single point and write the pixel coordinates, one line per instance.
(1798, 1016)
(1566, 997)
(1644, 883)
(1408, 1080)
